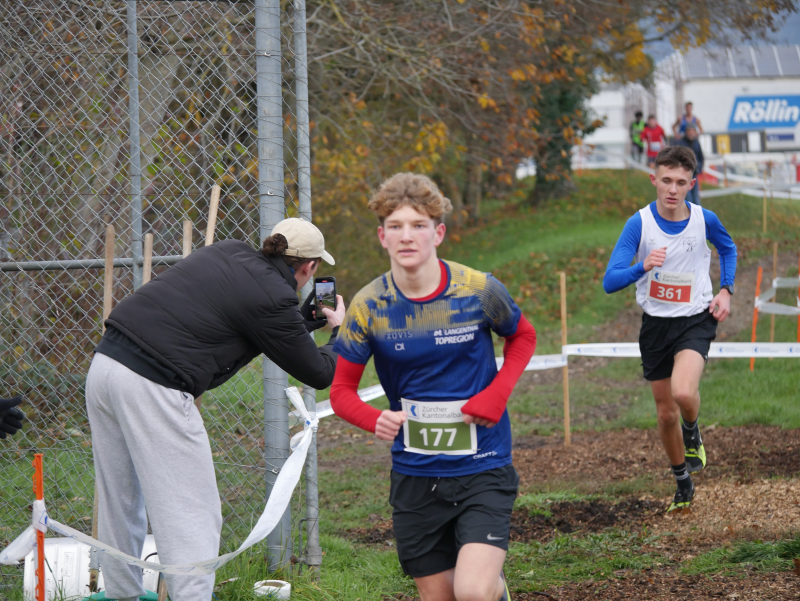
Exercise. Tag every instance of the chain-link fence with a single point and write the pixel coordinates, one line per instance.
(127, 112)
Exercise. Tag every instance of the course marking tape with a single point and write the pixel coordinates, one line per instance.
(719, 350)
(537, 363)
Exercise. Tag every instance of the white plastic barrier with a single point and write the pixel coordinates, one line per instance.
(67, 574)
(763, 304)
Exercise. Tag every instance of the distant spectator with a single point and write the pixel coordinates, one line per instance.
(688, 118)
(653, 135)
(690, 140)
(637, 144)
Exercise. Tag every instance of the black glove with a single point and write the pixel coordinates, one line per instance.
(307, 311)
(10, 417)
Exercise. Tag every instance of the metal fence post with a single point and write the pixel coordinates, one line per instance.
(313, 552)
(135, 146)
(271, 207)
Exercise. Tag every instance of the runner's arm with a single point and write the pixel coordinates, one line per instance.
(722, 241)
(518, 349)
(620, 273)
(345, 401)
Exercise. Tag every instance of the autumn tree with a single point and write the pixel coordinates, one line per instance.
(457, 88)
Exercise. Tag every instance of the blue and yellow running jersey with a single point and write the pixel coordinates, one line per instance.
(439, 349)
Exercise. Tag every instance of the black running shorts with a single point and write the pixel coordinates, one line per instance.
(434, 517)
(661, 338)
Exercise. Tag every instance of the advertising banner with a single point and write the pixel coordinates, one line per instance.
(765, 112)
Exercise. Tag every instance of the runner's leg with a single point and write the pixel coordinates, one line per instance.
(477, 574)
(686, 374)
(689, 365)
(436, 586)
(668, 414)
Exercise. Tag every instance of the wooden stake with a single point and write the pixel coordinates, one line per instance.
(774, 275)
(108, 279)
(38, 490)
(108, 304)
(625, 179)
(565, 369)
(755, 315)
(162, 589)
(147, 268)
(212, 214)
(187, 238)
(725, 171)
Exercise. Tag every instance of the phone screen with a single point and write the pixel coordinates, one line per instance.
(325, 293)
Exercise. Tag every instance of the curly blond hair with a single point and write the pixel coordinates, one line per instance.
(412, 189)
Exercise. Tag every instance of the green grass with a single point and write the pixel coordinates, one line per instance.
(757, 555)
(574, 558)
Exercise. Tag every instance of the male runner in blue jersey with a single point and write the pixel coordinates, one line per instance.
(429, 325)
(667, 241)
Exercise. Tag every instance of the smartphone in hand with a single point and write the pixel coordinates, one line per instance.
(325, 295)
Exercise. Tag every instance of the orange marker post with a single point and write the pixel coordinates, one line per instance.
(755, 315)
(38, 490)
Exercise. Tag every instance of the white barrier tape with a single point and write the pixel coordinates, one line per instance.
(786, 282)
(777, 308)
(734, 177)
(277, 503)
(19, 547)
(767, 296)
(757, 349)
(537, 363)
(718, 349)
(603, 349)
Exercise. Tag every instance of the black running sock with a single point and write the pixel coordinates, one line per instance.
(689, 425)
(682, 475)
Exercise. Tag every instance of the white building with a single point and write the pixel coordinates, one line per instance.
(747, 99)
(736, 91)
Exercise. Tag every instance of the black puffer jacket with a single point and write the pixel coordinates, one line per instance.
(211, 314)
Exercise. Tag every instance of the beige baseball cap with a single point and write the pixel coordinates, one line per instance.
(304, 238)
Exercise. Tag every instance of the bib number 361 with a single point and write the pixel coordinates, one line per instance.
(667, 287)
(438, 428)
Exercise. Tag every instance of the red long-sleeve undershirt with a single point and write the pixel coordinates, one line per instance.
(488, 404)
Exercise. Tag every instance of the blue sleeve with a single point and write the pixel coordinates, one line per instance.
(352, 343)
(722, 241)
(500, 310)
(620, 273)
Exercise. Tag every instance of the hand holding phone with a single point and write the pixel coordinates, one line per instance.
(328, 305)
(325, 295)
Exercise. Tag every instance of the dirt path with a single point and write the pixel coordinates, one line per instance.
(652, 586)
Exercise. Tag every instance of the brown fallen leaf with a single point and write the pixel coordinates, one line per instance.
(796, 562)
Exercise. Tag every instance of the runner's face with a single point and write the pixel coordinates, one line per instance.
(410, 237)
(672, 184)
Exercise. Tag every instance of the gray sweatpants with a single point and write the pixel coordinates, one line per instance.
(152, 459)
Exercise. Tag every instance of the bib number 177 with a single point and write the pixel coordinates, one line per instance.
(436, 436)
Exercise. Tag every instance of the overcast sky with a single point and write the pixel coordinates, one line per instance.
(788, 34)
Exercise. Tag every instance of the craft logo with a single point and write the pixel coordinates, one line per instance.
(690, 243)
(759, 112)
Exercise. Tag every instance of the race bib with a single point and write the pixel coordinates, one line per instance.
(655, 146)
(438, 428)
(667, 287)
